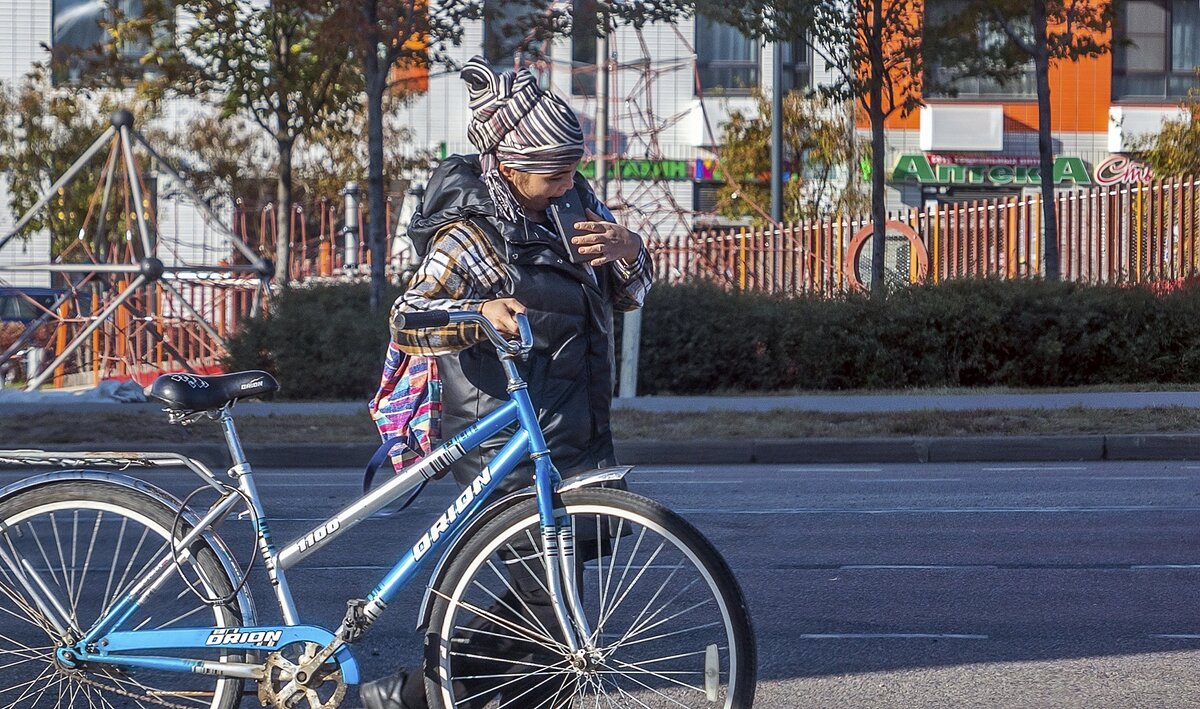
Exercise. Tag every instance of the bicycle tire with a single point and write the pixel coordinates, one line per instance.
(65, 530)
(524, 665)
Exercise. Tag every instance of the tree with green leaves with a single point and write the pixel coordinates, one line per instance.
(1175, 150)
(286, 65)
(878, 52)
(395, 38)
(45, 131)
(822, 139)
(1046, 32)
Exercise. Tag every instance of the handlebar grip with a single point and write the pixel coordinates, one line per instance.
(421, 320)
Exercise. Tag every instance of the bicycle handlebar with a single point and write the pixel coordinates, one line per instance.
(422, 320)
(441, 318)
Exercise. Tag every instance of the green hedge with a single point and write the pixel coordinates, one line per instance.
(700, 338)
(323, 343)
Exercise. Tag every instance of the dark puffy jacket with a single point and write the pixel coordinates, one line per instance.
(570, 371)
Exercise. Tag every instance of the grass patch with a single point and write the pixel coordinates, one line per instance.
(118, 430)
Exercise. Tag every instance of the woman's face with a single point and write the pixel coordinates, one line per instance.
(534, 191)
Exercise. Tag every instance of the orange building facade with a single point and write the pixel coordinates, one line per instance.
(982, 143)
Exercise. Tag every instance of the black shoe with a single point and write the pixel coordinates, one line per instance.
(394, 692)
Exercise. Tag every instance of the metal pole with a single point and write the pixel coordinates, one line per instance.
(210, 217)
(350, 229)
(79, 339)
(62, 181)
(777, 133)
(601, 159)
(204, 324)
(98, 240)
(632, 326)
(135, 185)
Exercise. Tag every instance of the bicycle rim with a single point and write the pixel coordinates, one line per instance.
(86, 543)
(669, 626)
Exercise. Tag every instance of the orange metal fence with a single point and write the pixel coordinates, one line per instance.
(318, 238)
(1120, 234)
(157, 329)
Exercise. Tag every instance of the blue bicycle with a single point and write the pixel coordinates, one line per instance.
(115, 593)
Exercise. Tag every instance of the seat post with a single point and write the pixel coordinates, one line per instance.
(233, 442)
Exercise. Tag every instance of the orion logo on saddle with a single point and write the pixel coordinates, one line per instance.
(452, 512)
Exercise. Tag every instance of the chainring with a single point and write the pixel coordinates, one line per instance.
(279, 688)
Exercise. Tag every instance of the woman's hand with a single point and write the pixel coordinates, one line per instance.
(606, 241)
(502, 313)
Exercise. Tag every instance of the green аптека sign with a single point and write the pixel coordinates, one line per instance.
(914, 167)
(640, 169)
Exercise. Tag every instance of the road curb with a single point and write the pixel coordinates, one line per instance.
(976, 449)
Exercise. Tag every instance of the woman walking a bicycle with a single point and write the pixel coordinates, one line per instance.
(491, 243)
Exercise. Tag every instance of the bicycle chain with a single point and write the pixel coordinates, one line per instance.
(128, 694)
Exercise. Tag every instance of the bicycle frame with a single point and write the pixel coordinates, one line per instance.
(107, 640)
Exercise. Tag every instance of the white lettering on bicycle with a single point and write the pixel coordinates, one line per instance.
(192, 382)
(315, 536)
(233, 636)
(456, 508)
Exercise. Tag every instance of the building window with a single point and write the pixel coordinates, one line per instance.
(583, 47)
(797, 65)
(1160, 59)
(506, 32)
(947, 81)
(82, 50)
(726, 59)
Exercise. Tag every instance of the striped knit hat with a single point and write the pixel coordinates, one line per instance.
(527, 129)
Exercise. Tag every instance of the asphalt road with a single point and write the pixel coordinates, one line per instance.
(964, 585)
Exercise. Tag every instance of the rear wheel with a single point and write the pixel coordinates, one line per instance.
(79, 545)
(669, 624)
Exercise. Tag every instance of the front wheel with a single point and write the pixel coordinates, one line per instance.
(669, 626)
(70, 549)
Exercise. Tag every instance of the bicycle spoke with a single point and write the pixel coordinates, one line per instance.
(107, 598)
(633, 583)
(668, 619)
(714, 624)
(29, 686)
(630, 696)
(652, 689)
(503, 660)
(516, 594)
(91, 547)
(544, 641)
(121, 584)
(653, 598)
(30, 613)
(465, 630)
(612, 563)
(550, 672)
(512, 700)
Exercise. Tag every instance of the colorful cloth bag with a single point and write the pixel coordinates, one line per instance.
(408, 406)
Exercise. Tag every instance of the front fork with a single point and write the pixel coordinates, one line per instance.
(558, 543)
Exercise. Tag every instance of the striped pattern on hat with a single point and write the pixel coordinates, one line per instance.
(528, 129)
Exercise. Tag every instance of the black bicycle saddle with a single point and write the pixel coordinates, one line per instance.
(191, 392)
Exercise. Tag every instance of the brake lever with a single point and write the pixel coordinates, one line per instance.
(526, 343)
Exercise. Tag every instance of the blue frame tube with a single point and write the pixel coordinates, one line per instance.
(450, 523)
